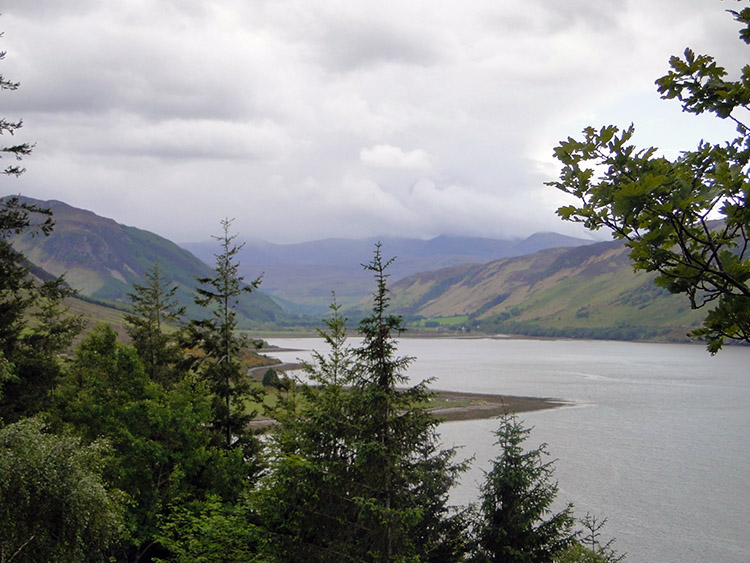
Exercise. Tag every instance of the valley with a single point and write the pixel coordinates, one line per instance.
(546, 285)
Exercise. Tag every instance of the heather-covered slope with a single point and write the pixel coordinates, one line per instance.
(102, 259)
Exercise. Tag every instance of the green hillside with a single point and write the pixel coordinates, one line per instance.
(301, 276)
(103, 259)
(589, 292)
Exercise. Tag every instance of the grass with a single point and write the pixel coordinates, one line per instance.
(443, 322)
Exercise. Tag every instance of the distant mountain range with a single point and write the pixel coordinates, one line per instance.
(545, 285)
(302, 276)
(102, 259)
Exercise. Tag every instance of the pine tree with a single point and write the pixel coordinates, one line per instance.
(306, 503)
(34, 325)
(518, 492)
(359, 474)
(19, 150)
(154, 306)
(217, 338)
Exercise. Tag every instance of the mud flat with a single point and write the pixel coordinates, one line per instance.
(470, 406)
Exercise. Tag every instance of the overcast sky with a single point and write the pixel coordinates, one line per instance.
(309, 119)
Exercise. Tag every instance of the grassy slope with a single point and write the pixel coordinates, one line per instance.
(95, 314)
(585, 291)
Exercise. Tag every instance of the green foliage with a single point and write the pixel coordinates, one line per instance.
(306, 502)
(687, 218)
(221, 345)
(577, 553)
(160, 436)
(154, 305)
(16, 285)
(6, 373)
(398, 452)
(358, 474)
(51, 328)
(54, 505)
(209, 532)
(515, 522)
(17, 290)
(271, 378)
(34, 326)
(591, 540)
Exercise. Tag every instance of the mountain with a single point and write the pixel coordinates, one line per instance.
(545, 285)
(586, 291)
(301, 276)
(102, 259)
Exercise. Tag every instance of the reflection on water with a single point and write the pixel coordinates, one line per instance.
(661, 449)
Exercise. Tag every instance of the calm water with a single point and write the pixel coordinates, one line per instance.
(657, 440)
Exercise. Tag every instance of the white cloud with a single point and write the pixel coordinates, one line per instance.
(387, 156)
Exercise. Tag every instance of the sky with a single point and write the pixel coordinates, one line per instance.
(311, 119)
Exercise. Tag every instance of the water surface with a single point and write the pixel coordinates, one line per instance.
(657, 440)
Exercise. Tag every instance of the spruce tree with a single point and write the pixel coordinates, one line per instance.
(28, 362)
(154, 306)
(306, 503)
(34, 325)
(404, 475)
(19, 150)
(220, 344)
(515, 525)
(359, 474)
(17, 287)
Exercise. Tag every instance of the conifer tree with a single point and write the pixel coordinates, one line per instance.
(154, 305)
(514, 523)
(18, 150)
(405, 476)
(34, 325)
(589, 547)
(358, 473)
(17, 288)
(28, 363)
(307, 504)
(217, 338)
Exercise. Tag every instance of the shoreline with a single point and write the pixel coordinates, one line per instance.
(466, 405)
(481, 405)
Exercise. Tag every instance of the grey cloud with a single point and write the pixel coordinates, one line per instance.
(350, 45)
(112, 70)
(335, 118)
